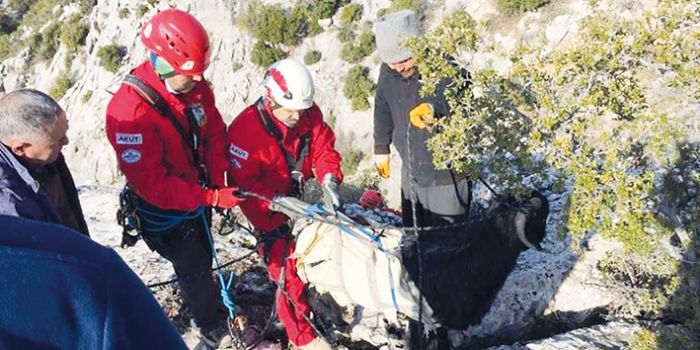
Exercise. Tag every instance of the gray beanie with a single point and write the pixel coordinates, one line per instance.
(391, 31)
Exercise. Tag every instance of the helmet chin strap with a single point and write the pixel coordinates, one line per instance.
(272, 103)
(161, 66)
(170, 88)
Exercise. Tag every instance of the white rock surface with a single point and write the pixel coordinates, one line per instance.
(614, 335)
(582, 288)
(538, 285)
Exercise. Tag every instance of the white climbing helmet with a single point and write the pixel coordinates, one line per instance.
(290, 84)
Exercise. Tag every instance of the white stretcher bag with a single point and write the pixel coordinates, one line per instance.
(358, 268)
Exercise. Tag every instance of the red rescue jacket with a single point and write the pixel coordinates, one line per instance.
(156, 160)
(258, 164)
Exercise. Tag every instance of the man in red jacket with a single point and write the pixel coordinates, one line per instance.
(170, 143)
(274, 146)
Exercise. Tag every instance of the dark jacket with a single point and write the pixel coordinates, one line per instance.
(396, 96)
(60, 290)
(22, 195)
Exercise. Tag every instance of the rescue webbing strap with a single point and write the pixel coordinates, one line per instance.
(359, 232)
(293, 165)
(158, 103)
(466, 205)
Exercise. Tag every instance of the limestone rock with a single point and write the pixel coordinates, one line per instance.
(614, 335)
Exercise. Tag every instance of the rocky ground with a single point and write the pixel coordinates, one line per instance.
(557, 299)
(544, 286)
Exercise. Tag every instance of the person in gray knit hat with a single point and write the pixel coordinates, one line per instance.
(439, 196)
(391, 31)
(442, 196)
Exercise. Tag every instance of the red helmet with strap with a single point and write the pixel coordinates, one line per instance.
(179, 39)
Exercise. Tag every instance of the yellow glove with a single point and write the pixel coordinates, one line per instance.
(421, 115)
(381, 162)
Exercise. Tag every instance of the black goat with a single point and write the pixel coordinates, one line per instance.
(464, 268)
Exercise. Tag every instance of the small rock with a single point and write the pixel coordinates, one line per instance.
(557, 30)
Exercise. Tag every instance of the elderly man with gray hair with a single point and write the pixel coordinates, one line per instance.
(35, 182)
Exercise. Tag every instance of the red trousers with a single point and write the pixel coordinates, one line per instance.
(291, 307)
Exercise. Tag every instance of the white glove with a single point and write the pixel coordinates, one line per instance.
(331, 199)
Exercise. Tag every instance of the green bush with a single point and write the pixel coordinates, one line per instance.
(323, 9)
(86, 6)
(517, 6)
(396, 5)
(40, 13)
(62, 83)
(34, 27)
(316, 10)
(300, 25)
(21, 6)
(305, 19)
(153, 3)
(87, 96)
(47, 41)
(312, 57)
(73, 33)
(277, 25)
(271, 23)
(314, 28)
(602, 134)
(346, 33)
(351, 159)
(141, 10)
(358, 87)
(4, 45)
(124, 12)
(354, 52)
(644, 340)
(110, 57)
(351, 13)
(264, 54)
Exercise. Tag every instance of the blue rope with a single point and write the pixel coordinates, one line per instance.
(225, 292)
(157, 222)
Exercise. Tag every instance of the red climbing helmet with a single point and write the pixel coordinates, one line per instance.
(179, 39)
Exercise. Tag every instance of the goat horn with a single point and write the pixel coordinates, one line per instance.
(535, 202)
(520, 220)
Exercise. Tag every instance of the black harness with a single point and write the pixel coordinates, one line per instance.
(128, 200)
(294, 164)
(158, 103)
